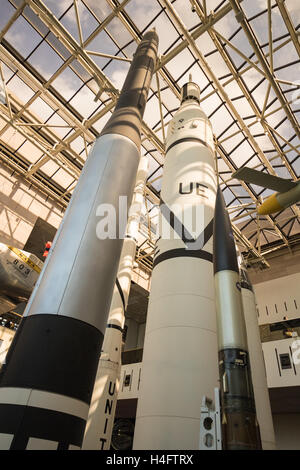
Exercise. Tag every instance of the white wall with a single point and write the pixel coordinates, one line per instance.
(287, 431)
(278, 298)
(131, 390)
(276, 375)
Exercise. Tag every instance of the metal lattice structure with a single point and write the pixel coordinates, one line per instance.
(63, 63)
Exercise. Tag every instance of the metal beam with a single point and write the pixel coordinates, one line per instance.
(241, 18)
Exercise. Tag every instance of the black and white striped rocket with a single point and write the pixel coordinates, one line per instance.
(180, 350)
(240, 430)
(258, 372)
(47, 382)
(100, 421)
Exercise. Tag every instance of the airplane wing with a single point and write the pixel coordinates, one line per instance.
(263, 179)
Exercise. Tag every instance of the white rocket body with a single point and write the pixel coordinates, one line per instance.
(258, 371)
(180, 350)
(100, 420)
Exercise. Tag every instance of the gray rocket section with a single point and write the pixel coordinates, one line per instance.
(240, 429)
(47, 382)
(258, 372)
(100, 421)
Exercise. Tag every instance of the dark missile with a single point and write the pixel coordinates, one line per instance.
(240, 430)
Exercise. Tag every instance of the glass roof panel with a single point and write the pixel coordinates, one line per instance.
(41, 109)
(62, 178)
(234, 108)
(83, 102)
(58, 8)
(22, 36)
(12, 138)
(30, 152)
(45, 60)
(67, 83)
(20, 89)
(139, 12)
(87, 21)
(7, 11)
(100, 9)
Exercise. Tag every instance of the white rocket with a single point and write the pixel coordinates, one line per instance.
(47, 382)
(258, 370)
(99, 426)
(180, 350)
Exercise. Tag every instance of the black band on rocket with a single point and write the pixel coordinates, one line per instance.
(131, 238)
(41, 339)
(39, 423)
(188, 139)
(121, 294)
(116, 327)
(181, 230)
(183, 252)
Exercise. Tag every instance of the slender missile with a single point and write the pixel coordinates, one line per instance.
(180, 350)
(104, 399)
(47, 382)
(259, 377)
(240, 429)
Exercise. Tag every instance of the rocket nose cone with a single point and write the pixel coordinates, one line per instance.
(224, 255)
(190, 91)
(151, 35)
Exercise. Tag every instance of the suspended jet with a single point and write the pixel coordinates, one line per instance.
(288, 192)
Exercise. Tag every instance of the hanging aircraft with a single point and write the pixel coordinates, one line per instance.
(288, 192)
(19, 271)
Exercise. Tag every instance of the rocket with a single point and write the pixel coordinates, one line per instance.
(47, 382)
(259, 377)
(104, 399)
(240, 430)
(180, 350)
